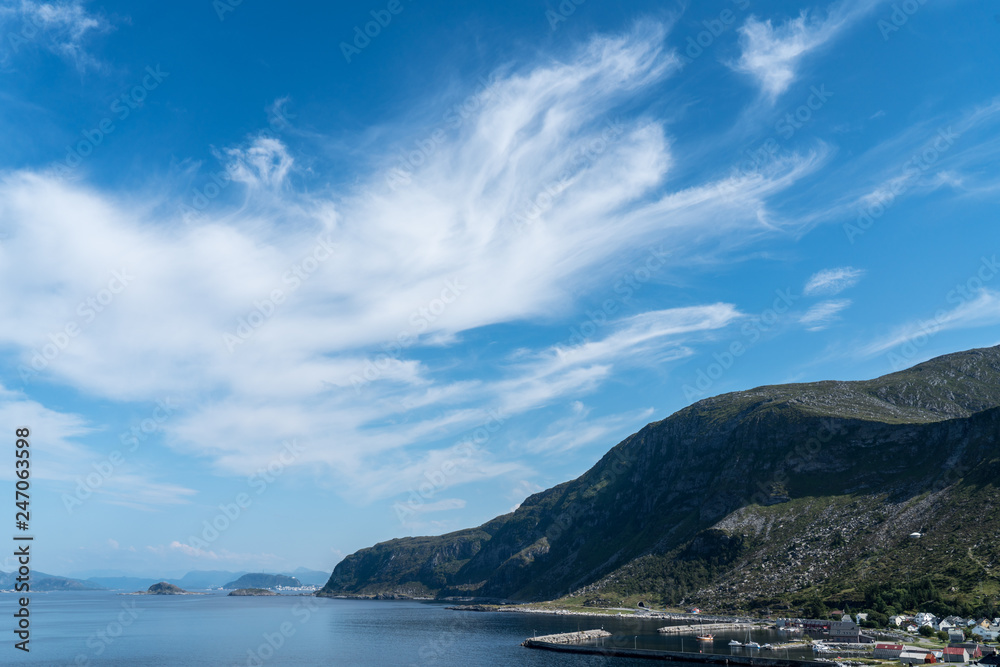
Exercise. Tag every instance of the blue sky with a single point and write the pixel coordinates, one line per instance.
(322, 289)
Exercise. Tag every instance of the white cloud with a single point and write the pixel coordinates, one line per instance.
(939, 152)
(833, 281)
(264, 162)
(824, 313)
(982, 310)
(449, 251)
(219, 556)
(771, 53)
(578, 430)
(61, 27)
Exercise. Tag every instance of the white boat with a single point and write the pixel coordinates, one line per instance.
(753, 645)
(735, 642)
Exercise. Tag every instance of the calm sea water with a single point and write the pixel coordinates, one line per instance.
(102, 628)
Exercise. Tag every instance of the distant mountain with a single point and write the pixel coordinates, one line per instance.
(122, 583)
(197, 579)
(261, 580)
(202, 579)
(780, 496)
(41, 581)
(309, 577)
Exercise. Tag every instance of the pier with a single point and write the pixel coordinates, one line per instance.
(701, 629)
(677, 656)
(570, 637)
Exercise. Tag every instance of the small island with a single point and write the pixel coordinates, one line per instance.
(251, 591)
(164, 588)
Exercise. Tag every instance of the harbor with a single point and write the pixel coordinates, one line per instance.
(578, 643)
(702, 628)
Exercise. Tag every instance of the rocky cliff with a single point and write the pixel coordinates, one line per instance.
(770, 495)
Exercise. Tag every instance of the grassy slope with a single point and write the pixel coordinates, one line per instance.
(658, 528)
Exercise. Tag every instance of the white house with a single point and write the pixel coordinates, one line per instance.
(897, 620)
(945, 625)
(987, 634)
(924, 618)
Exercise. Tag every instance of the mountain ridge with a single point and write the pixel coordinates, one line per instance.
(664, 513)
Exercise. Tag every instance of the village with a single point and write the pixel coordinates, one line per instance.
(919, 639)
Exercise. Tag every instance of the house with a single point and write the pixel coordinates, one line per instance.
(989, 650)
(991, 660)
(946, 625)
(845, 630)
(897, 620)
(813, 627)
(924, 619)
(988, 634)
(983, 623)
(956, 636)
(916, 657)
(972, 648)
(956, 654)
(887, 651)
(860, 617)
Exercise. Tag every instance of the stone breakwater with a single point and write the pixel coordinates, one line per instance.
(569, 637)
(702, 628)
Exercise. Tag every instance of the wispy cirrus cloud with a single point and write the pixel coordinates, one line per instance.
(578, 429)
(389, 252)
(61, 27)
(833, 281)
(824, 313)
(771, 53)
(981, 310)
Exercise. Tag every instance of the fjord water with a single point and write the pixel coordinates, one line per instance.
(84, 628)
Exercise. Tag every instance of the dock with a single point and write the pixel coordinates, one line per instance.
(702, 628)
(570, 637)
(650, 654)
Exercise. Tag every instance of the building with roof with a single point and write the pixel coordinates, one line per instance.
(916, 657)
(955, 654)
(972, 648)
(845, 630)
(887, 651)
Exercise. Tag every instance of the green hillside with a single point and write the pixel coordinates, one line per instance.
(784, 495)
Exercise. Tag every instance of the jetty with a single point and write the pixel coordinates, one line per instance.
(569, 637)
(651, 654)
(704, 627)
